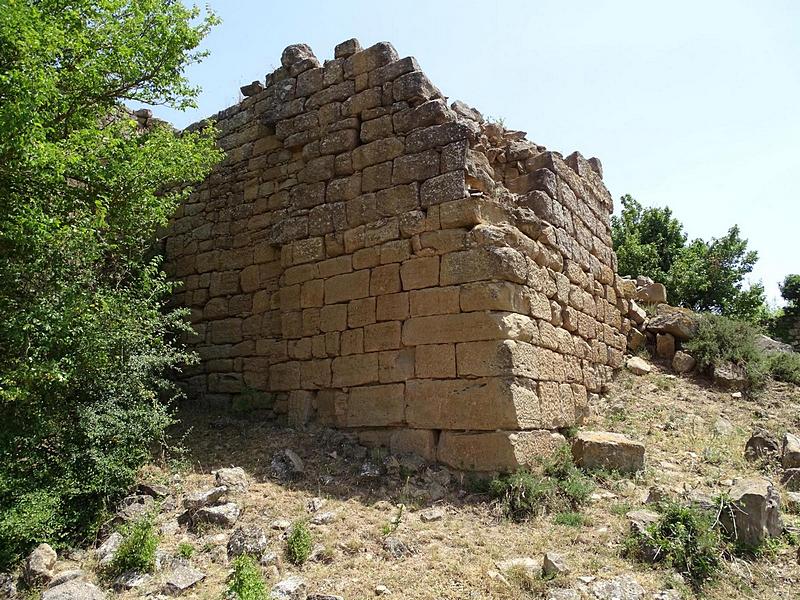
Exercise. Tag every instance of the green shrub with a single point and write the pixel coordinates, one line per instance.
(785, 366)
(88, 345)
(569, 518)
(561, 486)
(185, 550)
(720, 340)
(137, 551)
(246, 582)
(686, 539)
(299, 543)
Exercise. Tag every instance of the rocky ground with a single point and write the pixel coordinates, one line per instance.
(383, 526)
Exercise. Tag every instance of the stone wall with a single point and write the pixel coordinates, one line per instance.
(369, 258)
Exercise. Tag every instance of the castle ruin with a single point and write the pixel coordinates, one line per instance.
(369, 258)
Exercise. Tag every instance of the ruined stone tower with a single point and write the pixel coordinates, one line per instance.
(369, 258)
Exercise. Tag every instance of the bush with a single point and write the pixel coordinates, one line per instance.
(246, 582)
(185, 550)
(137, 551)
(299, 543)
(686, 539)
(785, 366)
(88, 344)
(560, 487)
(720, 340)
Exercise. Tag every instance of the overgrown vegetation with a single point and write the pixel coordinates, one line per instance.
(789, 315)
(299, 543)
(86, 341)
(185, 550)
(137, 551)
(560, 487)
(722, 340)
(686, 539)
(699, 274)
(246, 581)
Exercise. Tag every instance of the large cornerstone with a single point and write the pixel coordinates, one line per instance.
(369, 258)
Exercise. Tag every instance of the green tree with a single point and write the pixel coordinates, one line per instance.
(789, 315)
(87, 344)
(701, 275)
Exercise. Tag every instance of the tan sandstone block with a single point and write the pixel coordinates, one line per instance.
(312, 293)
(495, 295)
(497, 450)
(384, 280)
(347, 286)
(435, 361)
(382, 336)
(356, 369)
(487, 403)
(421, 442)
(468, 327)
(392, 307)
(333, 318)
(434, 301)
(376, 406)
(479, 264)
(352, 342)
(497, 358)
(420, 272)
(361, 312)
(396, 365)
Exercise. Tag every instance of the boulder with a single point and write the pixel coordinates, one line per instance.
(638, 366)
(181, 579)
(203, 498)
(40, 565)
(665, 345)
(233, 478)
(292, 588)
(247, 539)
(65, 576)
(287, 465)
(729, 376)
(636, 313)
(429, 515)
(75, 589)
(755, 512)
(396, 548)
(296, 53)
(107, 550)
(791, 451)
(651, 293)
(135, 507)
(683, 362)
(678, 324)
(624, 587)
(613, 451)
(130, 580)
(767, 344)
(554, 565)
(762, 444)
(791, 479)
(224, 514)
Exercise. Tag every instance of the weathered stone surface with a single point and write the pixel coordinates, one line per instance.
(233, 478)
(107, 550)
(554, 565)
(39, 565)
(791, 451)
(224, 514)
(624, 587)
(762, 444)
(683, 362)
(755, 513)
(247, 539)
(182, 578)
(203, 498)
(679, 324)
(638, 366)
(605, 450)
(665, 345)
(730, 377)
(652, 293)
(292, 588)
(75, 589)
(496, 450)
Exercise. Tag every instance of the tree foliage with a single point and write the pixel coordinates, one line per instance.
(699, 274)
(86, 341)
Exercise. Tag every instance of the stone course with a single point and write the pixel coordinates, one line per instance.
(370, 258)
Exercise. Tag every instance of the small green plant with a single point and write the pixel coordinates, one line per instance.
(569, 518)
(685, 538)
(560, 487)
(185, 550)
(137, 551)
(299, 543)
(246, 582)
(390, 527)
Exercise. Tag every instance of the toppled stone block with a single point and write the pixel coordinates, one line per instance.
(755, 512)
(182, 578)
(762, 444)
(652, 293)
(251, 89)
(75, 589)
(224, 514)
(233, 478)
(40, 565)
(554, 565)
(683, 362)
(730, 376)
(605, 450)
(665, 345)
(203, 498)
(638, 366)
(791, 451)
(677, 323)
(247, 539)
(292, 588)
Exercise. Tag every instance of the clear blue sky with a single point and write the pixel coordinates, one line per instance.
(693, 105)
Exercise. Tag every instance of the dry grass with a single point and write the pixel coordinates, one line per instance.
(455, 558)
